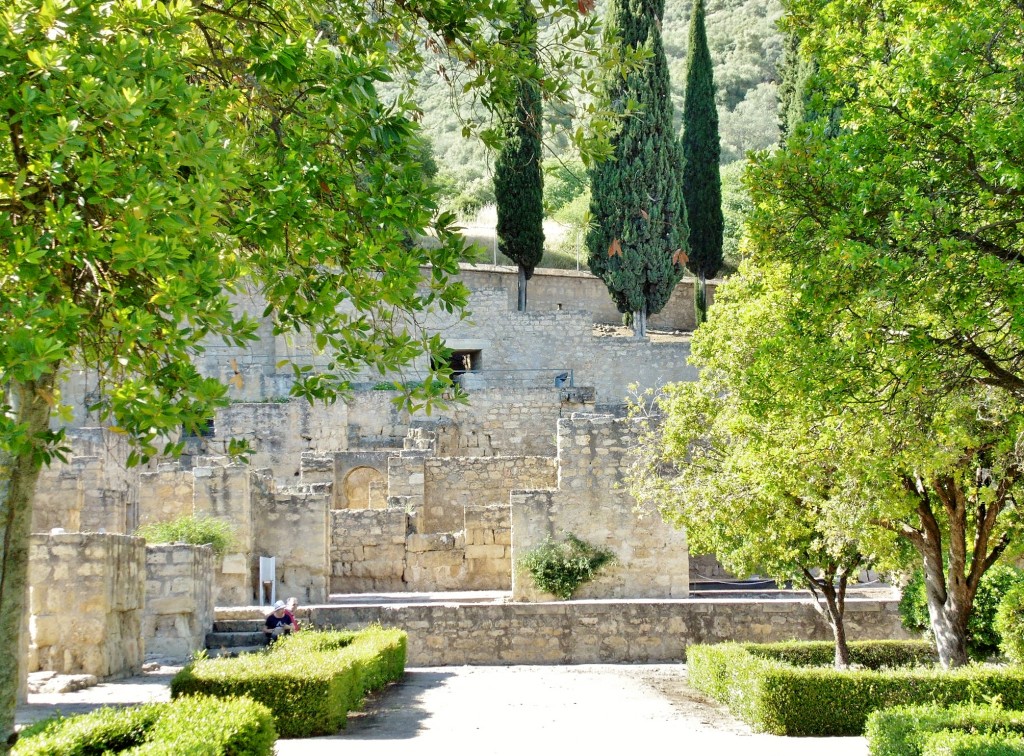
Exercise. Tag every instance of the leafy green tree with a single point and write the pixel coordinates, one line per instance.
(702, 183)
(637, 242)
(894, 248)
(518, 170)
(707, 463)
(158, 159)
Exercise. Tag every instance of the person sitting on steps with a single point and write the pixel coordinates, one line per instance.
(278, 623)
(291, 606)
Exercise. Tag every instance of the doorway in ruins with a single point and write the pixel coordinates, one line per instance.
(365, 488)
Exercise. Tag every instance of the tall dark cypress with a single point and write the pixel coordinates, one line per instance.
(637, 242)
(518, 173)
(702, 183)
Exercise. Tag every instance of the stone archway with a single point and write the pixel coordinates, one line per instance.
(365, 488)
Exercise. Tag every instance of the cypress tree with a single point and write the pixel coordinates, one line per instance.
(637, 242)
(702, 183)
(518, 173)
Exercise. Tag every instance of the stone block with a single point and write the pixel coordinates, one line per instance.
(235, 564)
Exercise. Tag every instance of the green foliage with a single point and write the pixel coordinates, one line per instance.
(702, 183)
(933, 729)
(198, 531)
(913, 605)
(636, 196)
(309, 680)
(983, 637)
(867, 353)
(518, 172)
(195, 724)
(561, 568)
(1009, 623)
(870, 654)
(784, 699)
(565, 179)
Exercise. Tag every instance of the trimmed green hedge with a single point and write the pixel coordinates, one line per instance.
(931, 729)
(309, 680)
(784, 699)
(870, 654)
(952, 743)
(195, 725)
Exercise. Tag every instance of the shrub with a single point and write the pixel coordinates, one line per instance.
(561, 568)
(955, 743)
(195, 725)
(1009, 623)
(982, 636)
(195, 530)
(870, 654)
(916, 730)
(780, 698)
(309, 680)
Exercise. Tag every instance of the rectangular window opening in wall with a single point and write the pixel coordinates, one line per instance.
(465, 361)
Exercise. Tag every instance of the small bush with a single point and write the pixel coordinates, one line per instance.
(783, 699)
(195, 725)
(309, 680)
(1009, 623)
(917, 730)
(561, 568)
(198, 531)
(982, 636)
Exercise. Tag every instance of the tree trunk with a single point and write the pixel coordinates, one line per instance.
(700, 299)
(948, 613)
(834, 609)
(522, 289)
(639, 324)
(19, 472)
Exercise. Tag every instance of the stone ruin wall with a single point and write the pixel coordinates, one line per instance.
(450, 485)
(550, 288)
(651, 556)
(179, 606)
(85, 604)
(292, 526)
(94, 491)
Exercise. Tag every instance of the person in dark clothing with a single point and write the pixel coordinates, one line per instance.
(278, 623)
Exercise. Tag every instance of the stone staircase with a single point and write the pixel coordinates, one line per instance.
(231, 637)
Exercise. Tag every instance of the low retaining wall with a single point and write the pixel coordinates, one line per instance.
(610, 632)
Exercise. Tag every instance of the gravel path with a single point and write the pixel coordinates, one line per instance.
(499, 711)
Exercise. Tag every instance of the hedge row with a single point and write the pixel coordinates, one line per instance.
(931, 730)
(784, 699)
(870, 654)
(197, 725)
(309, 680)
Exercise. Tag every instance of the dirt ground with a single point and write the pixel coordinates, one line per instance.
(509, 711)
(536, 711)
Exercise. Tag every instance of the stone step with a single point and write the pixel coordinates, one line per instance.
(233, 640)
(238, 626)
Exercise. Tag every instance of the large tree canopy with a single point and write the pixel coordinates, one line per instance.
(637, 239)
(885, 243)
(518, 169)
(158, 158)
(702, 182)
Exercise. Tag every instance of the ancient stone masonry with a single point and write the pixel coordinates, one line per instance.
(608, 632)
(86, 593)
(94, 491)
(179, 600)
(652, 560)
